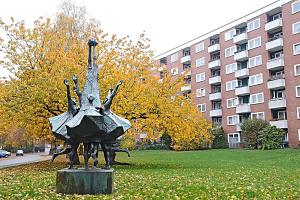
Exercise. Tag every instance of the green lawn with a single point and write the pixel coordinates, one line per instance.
(211, 174)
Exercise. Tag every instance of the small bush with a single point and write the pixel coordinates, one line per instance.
(250, 129)
(128, 143)
(270, 137)
(153, 147)
(219, 141)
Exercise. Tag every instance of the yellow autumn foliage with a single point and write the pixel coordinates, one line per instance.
(41, 57)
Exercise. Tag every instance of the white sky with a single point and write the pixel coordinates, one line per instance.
(168, 23)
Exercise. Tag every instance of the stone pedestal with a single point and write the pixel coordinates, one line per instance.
(81, 181)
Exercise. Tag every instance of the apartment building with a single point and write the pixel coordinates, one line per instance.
(249, 68)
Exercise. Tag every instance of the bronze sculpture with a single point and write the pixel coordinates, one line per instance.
(92, 123)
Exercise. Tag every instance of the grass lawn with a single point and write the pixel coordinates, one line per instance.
(211, 174)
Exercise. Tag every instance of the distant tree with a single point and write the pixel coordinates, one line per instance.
(270, 137)
(219, 141)
(250, 129)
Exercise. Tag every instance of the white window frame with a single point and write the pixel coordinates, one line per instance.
(233, 124)
(229, 34)
(174, 57)
(294, 45)
(295, 69)
(203, 105)
(294, 27)
(200, 62)
(231, 83)
(232, 50)
(255, 61)
(199, 47)
(256, 94)
(297, 95)
(200, 92)
(253, 22)
(293, 11)
(174, 71)
(257, 114)
(239, 136)
(232, 67)
(233, 104)
(256, 83)
(299, 134)
(298, 112)
(200, 79)
(254, 43)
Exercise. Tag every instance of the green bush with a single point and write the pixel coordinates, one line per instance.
(219, 141)
(270, 137)
(250, 129)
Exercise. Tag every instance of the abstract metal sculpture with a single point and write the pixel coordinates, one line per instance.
(92, 123)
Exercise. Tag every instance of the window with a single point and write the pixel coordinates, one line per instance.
(299, 134)
(200, 62)
(277, 16)
(281, 115)
(202, 107)
(231, 103)
(297, 69)
(296, 27)
(230, 51)
(231, 85)
(200, 92)
(199, 47)
(258, 115)
(229, 34)
(297, 49)
(231, 68)
(255, 61)
(295, 7)
(254, 43)
(298, 91)
(233, 120)
(255, 79)
(174, 71)
(200, 77)
(174, 57)
(257, 98)
(255, 24)
(298, 112)
(233, 138)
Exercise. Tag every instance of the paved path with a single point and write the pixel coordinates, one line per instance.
(14, 160)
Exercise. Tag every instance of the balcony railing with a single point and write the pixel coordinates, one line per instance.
(240, 38)
(274, 44)
(279, 123)
(214, 64)
(275, 63)
(213, 48)
(272, 25)
(277, 103)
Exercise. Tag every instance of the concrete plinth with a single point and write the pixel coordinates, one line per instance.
(81, 181)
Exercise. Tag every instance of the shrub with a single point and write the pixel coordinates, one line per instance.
(128, 143)
(270, 137)
(250, 129)
(219, 141)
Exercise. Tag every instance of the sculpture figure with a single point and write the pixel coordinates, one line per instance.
(92, 123)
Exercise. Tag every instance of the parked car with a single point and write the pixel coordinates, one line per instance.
(19, 152)
(4, 153)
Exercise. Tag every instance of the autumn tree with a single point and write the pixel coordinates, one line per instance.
(54, 49)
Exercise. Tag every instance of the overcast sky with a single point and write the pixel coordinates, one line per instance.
(168, 23)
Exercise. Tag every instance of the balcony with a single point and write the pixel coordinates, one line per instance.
(215, 96)
(242, 91)
(215, 113)
(274, 44)
(270, 26)
(276, 63)
(185, 59)
(214, 80)
(242, 73)
(238, 127)
(279, 123)
(243, 108)
(278, 83)
(241, 55)
(213, 48)
(277, 103)
(214, 64)
(241, 38)
(186, 88)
